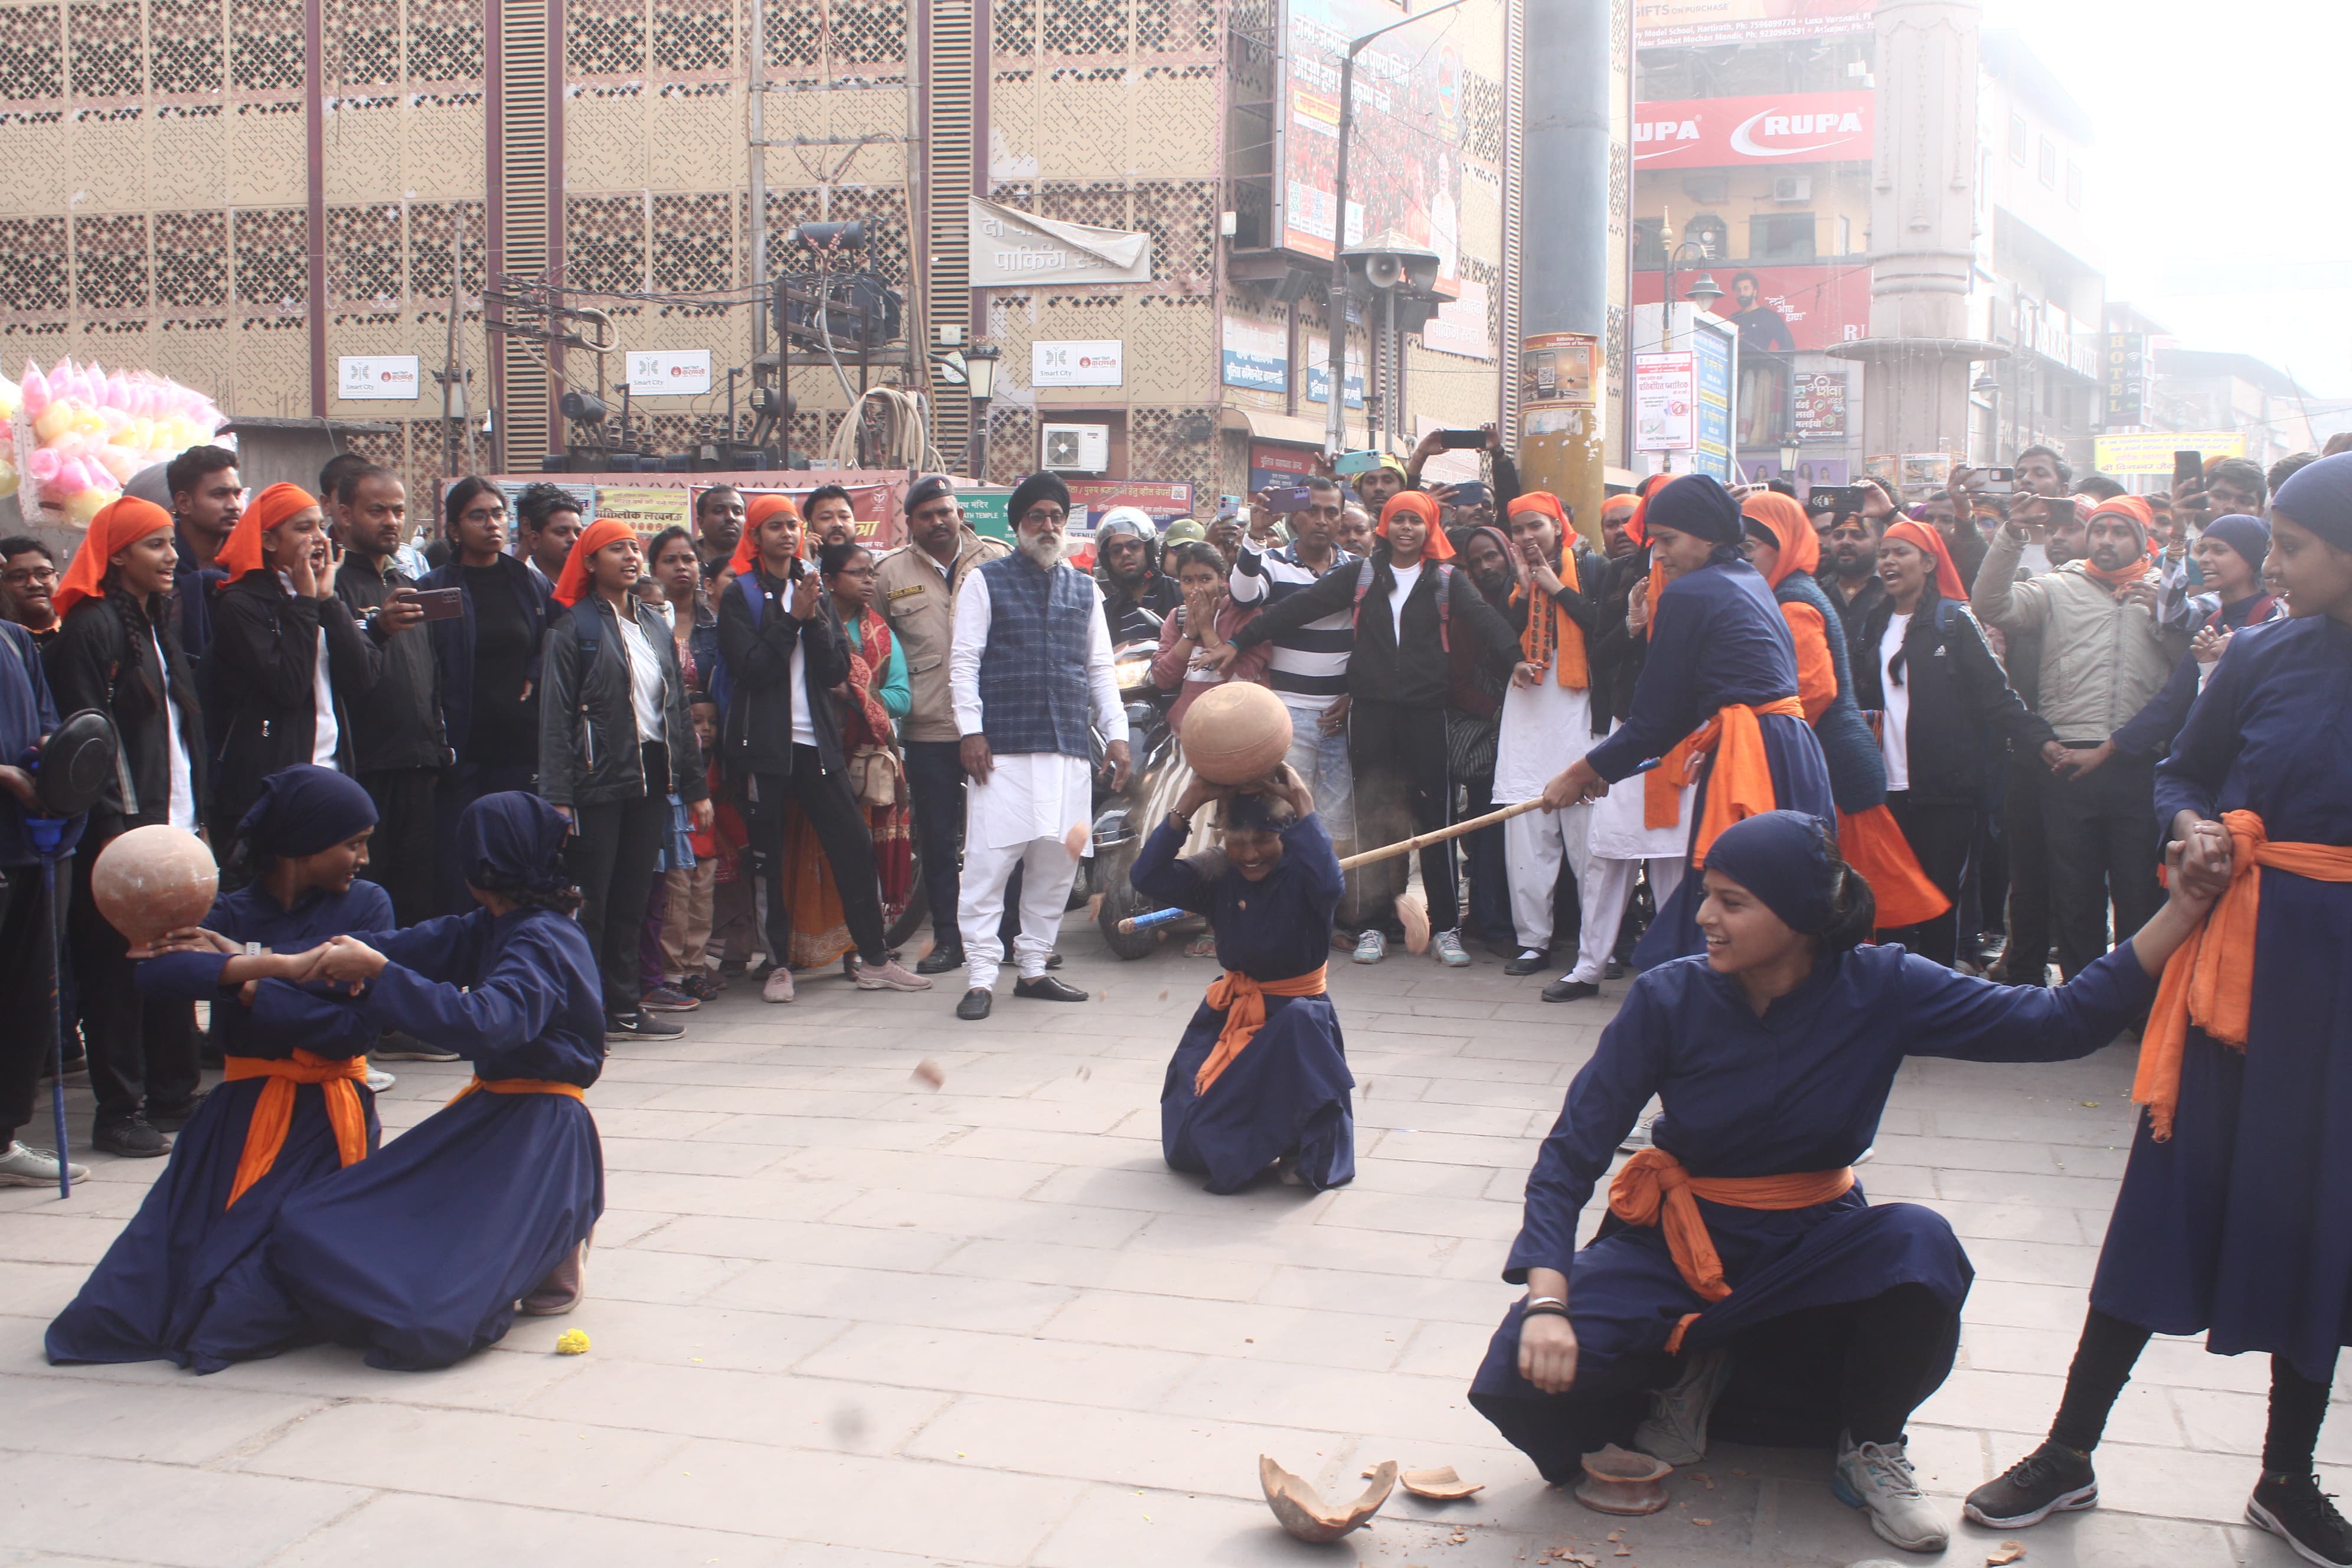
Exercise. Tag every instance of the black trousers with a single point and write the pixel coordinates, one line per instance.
(2102, 1364)
(1403, 785)
(401, 854)
(613, 846)
(2103, 845)
(142, 1053)
(26, 996)
(1941, 837)
(460, 788)
(841, 833)
(2026, 959)
(934, 779)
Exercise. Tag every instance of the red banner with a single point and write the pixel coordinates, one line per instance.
(1780, 308)
(1717, 132)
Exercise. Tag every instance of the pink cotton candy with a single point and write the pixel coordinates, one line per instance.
(36, 390)
(44, 466)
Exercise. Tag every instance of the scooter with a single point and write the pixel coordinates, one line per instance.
(1160, 779)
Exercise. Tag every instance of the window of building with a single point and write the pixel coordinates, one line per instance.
(2074, 184)
(1780, 236)
(2017, 139)
(2050, 162)
(1647, 250)
(1845, 235)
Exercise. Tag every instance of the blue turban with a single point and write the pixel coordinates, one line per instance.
(1033, 489)
(1696, 505)
(1784, 858)
(516, 837)
(2249, 536)
(2319, 497)
(302, 810)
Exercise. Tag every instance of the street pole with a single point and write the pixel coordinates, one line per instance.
(758, 187)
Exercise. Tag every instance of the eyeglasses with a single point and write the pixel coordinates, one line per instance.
(18, 576)
(855, 572)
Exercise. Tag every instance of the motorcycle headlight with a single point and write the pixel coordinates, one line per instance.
(1135, 669)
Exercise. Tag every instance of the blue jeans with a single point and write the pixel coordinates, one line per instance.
(1322, 761)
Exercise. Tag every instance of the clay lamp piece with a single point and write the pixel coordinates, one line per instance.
(1619, 1481)
(1300, 1510)
(154, 879)
(1440, 1485)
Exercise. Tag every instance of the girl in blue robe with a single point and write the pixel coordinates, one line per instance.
(1774, 1054)
(422, 1254)
(1718, 640)
(2239, 1225)
(1269, 896)
(168, 1286)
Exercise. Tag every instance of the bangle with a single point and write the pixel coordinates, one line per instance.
(1543, 1307)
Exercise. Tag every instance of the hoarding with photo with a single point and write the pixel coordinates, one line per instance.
(1745, 132)
(1775, 309)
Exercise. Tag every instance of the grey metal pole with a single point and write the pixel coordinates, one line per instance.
(759, 183)
(1565, 285)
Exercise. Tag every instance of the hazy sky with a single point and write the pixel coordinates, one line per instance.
(2219, 195)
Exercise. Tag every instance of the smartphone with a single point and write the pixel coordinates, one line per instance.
(1357, 462)
(1842, 499)
(1998, 481)
(1230, 504)
(1289, 497)
(440, 603)
(2188, 469)
(1452, 440)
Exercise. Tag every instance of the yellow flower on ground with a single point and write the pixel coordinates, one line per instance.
(574, 1342)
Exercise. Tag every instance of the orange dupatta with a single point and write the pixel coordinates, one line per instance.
(2210, 981)
(520, 1086)
(1653, 1189)
(1741, 785)
(1546, 636)
(273, 1113)
(1243, 1000)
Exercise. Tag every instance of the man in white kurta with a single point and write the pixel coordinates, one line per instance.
(1029, 807)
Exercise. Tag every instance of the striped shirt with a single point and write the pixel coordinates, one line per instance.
(1310, 665)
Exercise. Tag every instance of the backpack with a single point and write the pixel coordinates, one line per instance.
(1445, 601)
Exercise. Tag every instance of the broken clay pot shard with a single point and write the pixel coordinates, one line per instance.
(1440, 1485)
(1620, 1481)
(1301, 1512)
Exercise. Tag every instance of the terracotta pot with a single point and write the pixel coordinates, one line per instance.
(1619, 1481)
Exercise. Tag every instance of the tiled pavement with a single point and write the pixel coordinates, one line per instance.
(843, 1321)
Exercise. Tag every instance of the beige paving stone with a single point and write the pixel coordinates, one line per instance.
(73, 1503)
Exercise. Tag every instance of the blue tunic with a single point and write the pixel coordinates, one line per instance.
(1798, 1090)
(1719, 640)
(168, 1286)
(2240, 1225)
(421, 1253)
(1287, 1093)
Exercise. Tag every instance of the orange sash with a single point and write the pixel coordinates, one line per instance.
(1741, 786)
(273, 1113)
(2211, 980)
(1549, 634)
(1243, 1002)
(520, 1086)
(1873, 845)
(1652, 1189)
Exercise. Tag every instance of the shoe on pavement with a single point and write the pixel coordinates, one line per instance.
(939, 960)
(1877, 1479)
(1528, 962)
(2294, 1509)
(778, 986)
(974, 1005)
(640, 1026)
(2053, 1478)
(889, 975)
(1202, 946)
(395, 1046)
(22, 1165)
(1613, 970)
(1448, 949)
(668, 999)
(171, 1117)
(378, 1081)
(133, 1136)
(562, 1289)
(1675, 1429)
(1371, 947)
(1045, 988)
(1565, 990)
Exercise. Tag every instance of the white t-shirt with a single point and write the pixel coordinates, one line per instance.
(324, 732)
(180, 810)
(1895, 721)
(645, 683)
(1406, 576)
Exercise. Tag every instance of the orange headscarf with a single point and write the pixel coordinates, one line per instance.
(2134, 508)
(1800, 547)
(1931, 544)
(1547, 634)
(759, 509)
(119, 525)
(1424, 507)
(244, 552)
(573, 586)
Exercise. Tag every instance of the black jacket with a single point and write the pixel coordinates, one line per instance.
(590, 750)
(453, 641)
(263, 671)
(103, 656)
(1961, 701)
(1587, 606)
(757, 737)
(1416, 675)
(396, 718)
(1614, 653)
(1851, 615)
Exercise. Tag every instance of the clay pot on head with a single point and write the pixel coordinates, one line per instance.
(154, 879)
(1236, 733)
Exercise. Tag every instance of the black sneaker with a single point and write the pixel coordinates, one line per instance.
(1528, 962)
(1564, 990)
(2053, 1478)
(133, 1136)
(171, 1117)
(939, 960)
(640, 1026)
(2294, 1509)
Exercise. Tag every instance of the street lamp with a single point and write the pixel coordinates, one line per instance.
(1788, 459)
(1703, 290)
(980, 380)
(1991, 388)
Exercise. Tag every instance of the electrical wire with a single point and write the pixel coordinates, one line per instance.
(904, 422)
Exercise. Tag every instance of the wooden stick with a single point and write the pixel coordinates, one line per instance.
(1418, 840)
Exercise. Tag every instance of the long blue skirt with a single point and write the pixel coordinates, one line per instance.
(2240, 1225)
(167, 1289)
(1626, 1296)
(1800, 782)
(420, 1254)
(1285, 1094)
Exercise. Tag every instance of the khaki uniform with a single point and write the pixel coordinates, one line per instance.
(919, 600)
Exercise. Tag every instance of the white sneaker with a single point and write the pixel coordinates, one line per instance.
(1645, 1135)
(1448, 948)
(1371, 947)
(24, 1166)
(380, 1080)
(1675, 1429)
(1877, 1479)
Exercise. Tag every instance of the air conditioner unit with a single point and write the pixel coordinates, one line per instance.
(1792, 187)
(1078, 449)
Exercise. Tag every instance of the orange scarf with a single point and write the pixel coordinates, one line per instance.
(119, 525)
(245, 549)
(520, 1086)
(1792, 533)
(1554, 634)
(2211, 980)
(1243, 1001)
(2141, 513)
(1652, 1189)
(1741, 785)
(579, 573)
(1872, 843)
(273, 1113)
(747, 549)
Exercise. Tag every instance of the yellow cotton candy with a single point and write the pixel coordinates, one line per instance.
(574, 1342)
(55, 421)
(83, 504)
